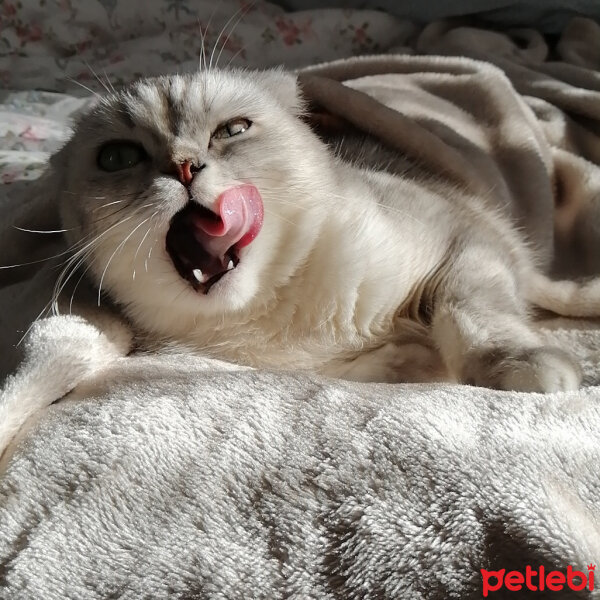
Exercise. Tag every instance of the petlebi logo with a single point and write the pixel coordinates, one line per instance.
(538, 580)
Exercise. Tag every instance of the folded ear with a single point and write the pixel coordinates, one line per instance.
(283, 86)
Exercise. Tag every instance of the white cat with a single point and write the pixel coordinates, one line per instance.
(212, 216)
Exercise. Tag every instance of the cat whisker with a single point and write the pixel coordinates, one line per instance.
(64, 278)
(78, 254)
(240, 13)
(289, 186)
(116, 212)
(140, 245)
(112, 214)
(202, 34)
(183, 291)
(148, 257)
(40, 230)
(268, 212)
(102, 83)
(83, 252)
(36, 262)
(401, 212)
(97, 208)
(51, 303)
(44, 310)
(281, 202)
(75, 268)
(206, 29)
(88, 197)
(85, 87)
(114, 253)
(112, 87)
(85, 258)
(233, 57)
(78, 195)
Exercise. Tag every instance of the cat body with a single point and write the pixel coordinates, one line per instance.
(213, 218)
(351, 271)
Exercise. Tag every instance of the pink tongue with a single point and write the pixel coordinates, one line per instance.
(241, 212)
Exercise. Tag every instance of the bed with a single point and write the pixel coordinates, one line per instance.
(182, 477)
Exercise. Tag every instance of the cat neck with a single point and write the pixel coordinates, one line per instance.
(342, 294)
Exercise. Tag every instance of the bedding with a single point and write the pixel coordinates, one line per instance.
(180, 477)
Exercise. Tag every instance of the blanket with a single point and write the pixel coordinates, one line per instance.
(180, 477)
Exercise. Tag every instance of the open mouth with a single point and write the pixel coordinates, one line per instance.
(192, 259)
(204, 246)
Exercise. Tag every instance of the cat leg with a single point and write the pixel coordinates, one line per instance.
(60, 352)
(481, 326)
(394, 362)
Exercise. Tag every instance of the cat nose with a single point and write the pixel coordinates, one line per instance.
(186, 171)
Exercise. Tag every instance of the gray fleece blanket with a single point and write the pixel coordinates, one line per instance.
(245, 484)
(178, 477)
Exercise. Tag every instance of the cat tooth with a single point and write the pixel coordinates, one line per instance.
(199, 275)
(230, 265)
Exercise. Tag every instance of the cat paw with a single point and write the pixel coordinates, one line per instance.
(64, 350)
(544, 369)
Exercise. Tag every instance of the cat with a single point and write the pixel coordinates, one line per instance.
(214, 217)
(208, 213)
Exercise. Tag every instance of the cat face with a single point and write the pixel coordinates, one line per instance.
(184, 194)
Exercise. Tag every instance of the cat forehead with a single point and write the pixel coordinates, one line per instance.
(196, 101)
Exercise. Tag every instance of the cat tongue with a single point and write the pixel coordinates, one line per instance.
(241, 214)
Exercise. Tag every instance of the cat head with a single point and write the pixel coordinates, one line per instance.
(191, 197)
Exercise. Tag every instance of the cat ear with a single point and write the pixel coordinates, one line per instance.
(283, 86)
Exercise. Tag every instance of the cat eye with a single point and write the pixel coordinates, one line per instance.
(117, 156)
(231, 128)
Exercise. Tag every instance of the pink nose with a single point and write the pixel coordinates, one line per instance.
(184, 172)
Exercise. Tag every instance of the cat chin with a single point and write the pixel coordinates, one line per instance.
(161, 301)
(232, 293)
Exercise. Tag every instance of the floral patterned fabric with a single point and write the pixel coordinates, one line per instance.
(78, 47)
(32, 125)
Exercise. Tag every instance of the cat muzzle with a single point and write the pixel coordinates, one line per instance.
(204, 245)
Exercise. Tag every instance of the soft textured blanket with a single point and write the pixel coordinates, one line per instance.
(179, 478)
(171, 476)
